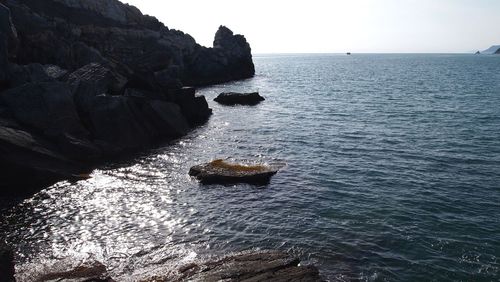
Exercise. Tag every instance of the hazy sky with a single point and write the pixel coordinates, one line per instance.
(338, 25)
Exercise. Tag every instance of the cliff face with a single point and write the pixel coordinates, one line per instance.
(72, 33)
(85, 80)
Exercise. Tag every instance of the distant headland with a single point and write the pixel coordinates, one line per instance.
(495, 49)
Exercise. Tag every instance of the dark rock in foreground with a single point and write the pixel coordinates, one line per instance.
(90, 272)
(250, 266)
(268, 265)
(232, 98)
(221, 172)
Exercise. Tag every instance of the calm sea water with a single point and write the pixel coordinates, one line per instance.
(393, 174)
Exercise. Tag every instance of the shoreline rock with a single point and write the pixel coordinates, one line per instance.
(83, 82)
(262, 265)
(233, 98)
(221, 172)
(268, 265)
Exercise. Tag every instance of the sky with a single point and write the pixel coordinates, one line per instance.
(338, 26)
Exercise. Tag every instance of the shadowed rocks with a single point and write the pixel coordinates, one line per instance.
(28, 161)
(230, 58)
(232, 98)
(7, 270)
(83, 81)
(47, 107)
(8, 43)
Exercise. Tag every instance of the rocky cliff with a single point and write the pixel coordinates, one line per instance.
(82, 81)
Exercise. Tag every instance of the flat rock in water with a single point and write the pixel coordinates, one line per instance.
(221, 172)
(232, 98)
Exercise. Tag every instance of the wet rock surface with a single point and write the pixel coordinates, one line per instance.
(84, 81)
(249, 266)
(263, 265)
(232, 98)
(222, 172)
(31, 160)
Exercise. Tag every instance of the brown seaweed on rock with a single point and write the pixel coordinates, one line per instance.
(222, 172)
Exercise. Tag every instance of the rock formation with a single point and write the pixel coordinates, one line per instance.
(85, 80)
(231, 98)
(222, 172)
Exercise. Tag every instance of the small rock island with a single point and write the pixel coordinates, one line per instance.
(233, 98)
(222, 172)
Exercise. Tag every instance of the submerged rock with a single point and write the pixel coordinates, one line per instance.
(232, 98)
(221, 172)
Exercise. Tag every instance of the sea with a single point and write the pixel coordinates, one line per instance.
(391, 172)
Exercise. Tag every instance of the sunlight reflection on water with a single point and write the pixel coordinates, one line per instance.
(384, 178)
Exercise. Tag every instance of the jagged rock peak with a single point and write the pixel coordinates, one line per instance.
(222, 34)
(234, 44)
(225, 38)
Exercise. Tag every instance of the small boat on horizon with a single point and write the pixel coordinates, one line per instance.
(348, 53)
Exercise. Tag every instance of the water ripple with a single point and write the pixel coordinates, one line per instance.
(392, 173)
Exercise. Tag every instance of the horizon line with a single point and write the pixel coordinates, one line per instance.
(366, 53)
